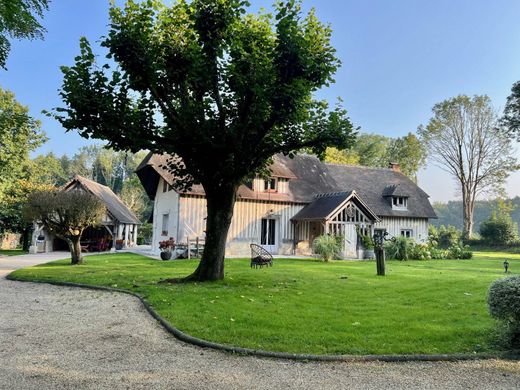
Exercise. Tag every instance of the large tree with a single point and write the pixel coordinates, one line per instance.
(464, 139)
(66, 214)
(19, 135)
(19, 19)
(219, 89)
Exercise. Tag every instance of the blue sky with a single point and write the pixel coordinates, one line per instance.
(399, 58)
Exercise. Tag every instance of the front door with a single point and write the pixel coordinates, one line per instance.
(350, 241)
(269, 235)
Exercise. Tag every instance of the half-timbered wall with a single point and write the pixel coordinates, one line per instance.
(245, 226)
(394, 225)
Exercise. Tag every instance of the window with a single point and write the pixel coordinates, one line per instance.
(270, 185)
(399, 202)
(165, 223)
(166, 187)
(408, 233)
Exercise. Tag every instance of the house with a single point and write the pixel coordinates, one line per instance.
(302, 199)
(119, 224)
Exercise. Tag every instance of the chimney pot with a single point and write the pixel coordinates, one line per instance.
(394, 167)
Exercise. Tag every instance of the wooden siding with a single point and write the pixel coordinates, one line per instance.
(245, 225)
(393, 225)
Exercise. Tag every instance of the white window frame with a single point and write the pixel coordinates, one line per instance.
(408, 233)
(399, 203)
(270, 183)
(165, 224)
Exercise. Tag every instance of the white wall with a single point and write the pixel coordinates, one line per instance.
(165, 202)
(393, 225)
(245, 226)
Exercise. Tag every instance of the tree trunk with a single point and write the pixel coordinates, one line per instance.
(220, 204)
(26, 242)
(75, 251)
(467, 215)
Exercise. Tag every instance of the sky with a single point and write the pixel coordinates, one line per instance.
(398, 57)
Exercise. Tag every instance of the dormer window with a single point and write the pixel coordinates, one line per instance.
(271, 185)
(399, 203)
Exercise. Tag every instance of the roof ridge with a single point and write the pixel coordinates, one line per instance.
(360, 167)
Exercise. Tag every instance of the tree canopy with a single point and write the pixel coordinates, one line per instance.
(19, 135)
(66, 214)
(374, 150)
(464, 139)
(19, 20)
(511, 118)
(218, 88)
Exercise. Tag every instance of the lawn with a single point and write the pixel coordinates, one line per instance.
(306, 306)
(12, 252)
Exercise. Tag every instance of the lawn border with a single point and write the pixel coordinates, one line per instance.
(178, 334)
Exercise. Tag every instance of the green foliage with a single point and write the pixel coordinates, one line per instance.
(500, 229)
(448, 236)
(399, 249)
(66, 214)
(504, 304)
(327, 246)
(366, 240)
(19, 20)
(403, 248)
(20, 134)
(373, 150)
(511, 118)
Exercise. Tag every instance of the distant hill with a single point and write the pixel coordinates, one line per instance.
(451, 213)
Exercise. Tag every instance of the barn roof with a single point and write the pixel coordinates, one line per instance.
(313, 177)
(114, 205)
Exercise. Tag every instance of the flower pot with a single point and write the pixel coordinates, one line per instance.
(369, 254)
(166, 255)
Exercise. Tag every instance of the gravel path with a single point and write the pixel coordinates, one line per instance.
(64, 338)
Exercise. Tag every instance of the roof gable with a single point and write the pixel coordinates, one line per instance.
(114, 205)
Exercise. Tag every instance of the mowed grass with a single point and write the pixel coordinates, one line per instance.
(306, 306)
(12, 252)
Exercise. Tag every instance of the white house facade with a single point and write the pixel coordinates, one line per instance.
(302, 199)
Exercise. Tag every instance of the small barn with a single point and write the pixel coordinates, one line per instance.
(117, 230)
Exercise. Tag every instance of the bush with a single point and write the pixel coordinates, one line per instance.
(399, 249)
(327, 246)
(448, 236)
(459, 251)
(499, 230)
(504, 305)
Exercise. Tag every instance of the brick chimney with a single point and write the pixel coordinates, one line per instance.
(394, 167)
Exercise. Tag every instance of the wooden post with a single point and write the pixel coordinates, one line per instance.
(188, 246)
(380, 262)
(197, 246)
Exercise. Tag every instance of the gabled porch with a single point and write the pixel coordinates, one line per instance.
(340, 214)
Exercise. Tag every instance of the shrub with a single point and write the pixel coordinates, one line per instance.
(420, 252)
(448, 236)
(504, 305)
(327, 246)
(459, 251)
(399, 249)
(499, 230)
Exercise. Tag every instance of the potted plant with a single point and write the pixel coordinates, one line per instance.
(167, 247)
(368, 246)
(119, 244)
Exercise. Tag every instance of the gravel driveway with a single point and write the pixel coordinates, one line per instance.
(66, 338)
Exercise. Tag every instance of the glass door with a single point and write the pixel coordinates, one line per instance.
(269, 235)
